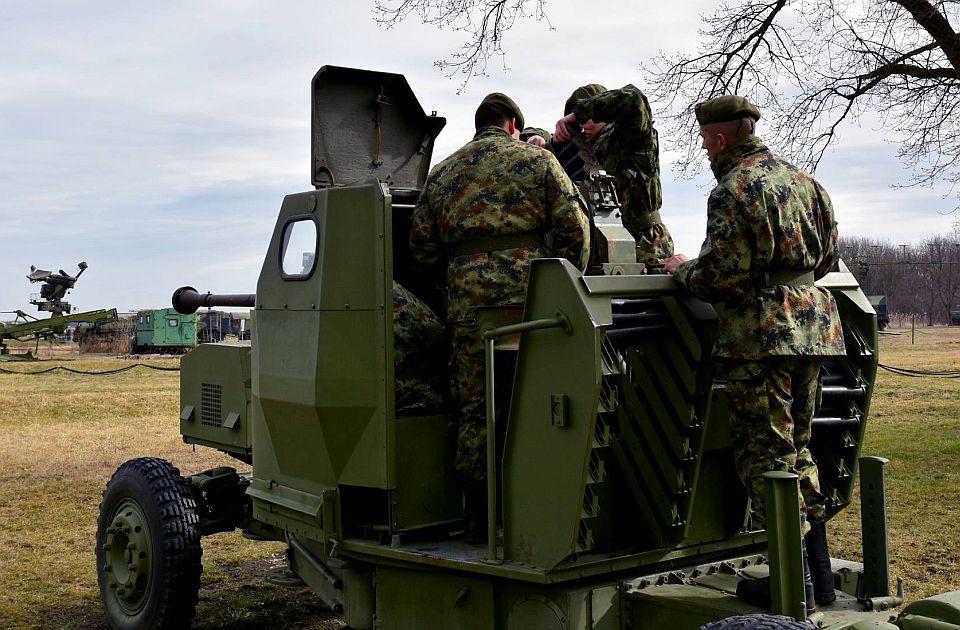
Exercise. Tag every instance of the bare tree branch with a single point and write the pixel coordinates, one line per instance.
(483, 22)
(813, 65)
(810, 65)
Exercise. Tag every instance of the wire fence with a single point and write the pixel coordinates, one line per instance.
(91, 372)
(919, 373)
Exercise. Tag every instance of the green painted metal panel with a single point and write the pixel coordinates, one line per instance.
(429, 493)
(215, 386)
(541, 528)
(322, 384)
(417, 599)
(944, 608)
(637, 397)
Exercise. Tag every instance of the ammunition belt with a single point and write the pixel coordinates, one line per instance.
(577, 154)
(649, 219)
(791, 277)
(496, 243)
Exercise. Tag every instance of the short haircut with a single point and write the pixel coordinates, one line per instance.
(493, 114)
(735, 130)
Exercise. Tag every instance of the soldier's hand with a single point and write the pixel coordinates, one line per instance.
(670, 264)
(562, 134)
(537, 141)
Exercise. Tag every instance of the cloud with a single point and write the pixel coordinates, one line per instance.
(156, 142)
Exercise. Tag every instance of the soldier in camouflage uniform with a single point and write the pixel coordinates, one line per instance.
(486, 212)
(536, 136)
(417, 337)
(770, 234)
(619, 126)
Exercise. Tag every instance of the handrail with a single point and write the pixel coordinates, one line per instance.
(489, 337)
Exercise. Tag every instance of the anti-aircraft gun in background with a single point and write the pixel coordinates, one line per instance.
(53, 289)
(619, 502)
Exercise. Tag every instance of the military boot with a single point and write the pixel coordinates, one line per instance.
(809, 595)
(475, 512)
(819, 558)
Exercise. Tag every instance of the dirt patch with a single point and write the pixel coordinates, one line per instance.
(240, 598)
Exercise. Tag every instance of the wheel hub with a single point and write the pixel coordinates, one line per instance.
(127, 556)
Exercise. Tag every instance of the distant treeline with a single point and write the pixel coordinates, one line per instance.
(921, 281)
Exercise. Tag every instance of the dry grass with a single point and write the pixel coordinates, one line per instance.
(915, 423)
(64, 434)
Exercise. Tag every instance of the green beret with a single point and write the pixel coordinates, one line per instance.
(504, 102)
(725, 108)
(534, 131)
(582, 92)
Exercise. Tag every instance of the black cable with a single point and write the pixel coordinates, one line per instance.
(909, 372)
(93, 372)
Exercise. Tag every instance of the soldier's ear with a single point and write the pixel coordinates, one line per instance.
(512, 128)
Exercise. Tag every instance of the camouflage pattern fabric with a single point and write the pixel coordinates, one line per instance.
(628, 149)
(765, 215)
(494, 186)
(417, 344)
(468, 386)
(535, 131)
(771, 405)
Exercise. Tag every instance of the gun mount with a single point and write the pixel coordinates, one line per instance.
(621, 505)
(54, 288)
(612, 247)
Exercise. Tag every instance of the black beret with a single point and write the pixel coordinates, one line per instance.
(725, 108)
(582, 92)
(506, 103)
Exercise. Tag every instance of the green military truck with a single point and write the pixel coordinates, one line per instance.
(615, 500)
(165, 330)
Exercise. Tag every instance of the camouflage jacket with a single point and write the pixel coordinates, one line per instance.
(766, 216)
(418, 353)
(496, 186)
(627, 148)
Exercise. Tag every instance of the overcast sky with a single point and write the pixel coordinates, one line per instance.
(156, 141)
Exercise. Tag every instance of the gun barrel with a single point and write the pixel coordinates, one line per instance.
(187, 300)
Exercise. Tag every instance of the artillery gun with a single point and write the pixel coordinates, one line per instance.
(54, 288)
(615, 498)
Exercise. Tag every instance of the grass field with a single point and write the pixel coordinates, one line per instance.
(62, 435)
(915, 423)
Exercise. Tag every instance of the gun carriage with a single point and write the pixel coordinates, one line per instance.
(616, 501)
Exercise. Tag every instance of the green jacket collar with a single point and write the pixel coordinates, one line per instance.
(490, 131)
(731, 156)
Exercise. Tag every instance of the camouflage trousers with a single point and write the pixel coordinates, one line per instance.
(654, 244)
(771, 405)
(468, 390)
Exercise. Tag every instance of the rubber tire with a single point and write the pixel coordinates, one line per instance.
(148, 508)
(757, 622)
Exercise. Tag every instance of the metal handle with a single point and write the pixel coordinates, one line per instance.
(489, 338)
